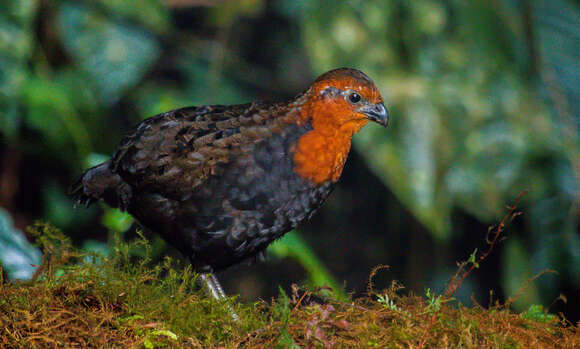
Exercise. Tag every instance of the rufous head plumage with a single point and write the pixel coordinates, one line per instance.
(339, 103)
(346, 99)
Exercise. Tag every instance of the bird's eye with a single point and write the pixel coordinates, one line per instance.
(354, 98)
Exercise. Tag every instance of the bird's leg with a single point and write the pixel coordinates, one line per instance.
(212, 286)
(214, 289)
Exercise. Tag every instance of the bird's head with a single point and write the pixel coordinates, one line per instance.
(345, 99)
(337, 105)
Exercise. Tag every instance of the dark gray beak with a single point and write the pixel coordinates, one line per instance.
(376, 112)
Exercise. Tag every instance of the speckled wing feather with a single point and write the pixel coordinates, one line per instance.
(182, 148)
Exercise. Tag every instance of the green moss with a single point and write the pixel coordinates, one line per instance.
(89, 300)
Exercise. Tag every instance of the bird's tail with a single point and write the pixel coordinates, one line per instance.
(100, 182)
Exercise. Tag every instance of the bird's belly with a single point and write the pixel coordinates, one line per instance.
(245, 219)
(256, 200)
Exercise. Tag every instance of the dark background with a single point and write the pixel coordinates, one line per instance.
(483, 96)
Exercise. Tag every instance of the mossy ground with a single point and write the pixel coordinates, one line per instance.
(84, 300)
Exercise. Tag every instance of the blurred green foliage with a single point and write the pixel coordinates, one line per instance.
(473, 113)
(484, 100)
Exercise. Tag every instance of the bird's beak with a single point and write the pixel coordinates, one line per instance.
(376, 112)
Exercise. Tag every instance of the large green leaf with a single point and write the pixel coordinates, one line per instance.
(18, 257)
(292, 245)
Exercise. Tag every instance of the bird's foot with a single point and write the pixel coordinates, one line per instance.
(214, 289)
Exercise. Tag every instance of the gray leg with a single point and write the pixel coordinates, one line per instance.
(214, 289)
(212, 286)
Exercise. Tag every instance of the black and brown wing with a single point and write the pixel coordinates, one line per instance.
(182, 148)
(176, 149)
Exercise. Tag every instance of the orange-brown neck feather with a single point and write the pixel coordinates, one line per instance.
(321, 153)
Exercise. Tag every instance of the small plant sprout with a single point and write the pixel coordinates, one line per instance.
(387, 302)
(473, 259)
(435, 302)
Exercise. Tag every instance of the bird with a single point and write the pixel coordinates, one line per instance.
(222, 182)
